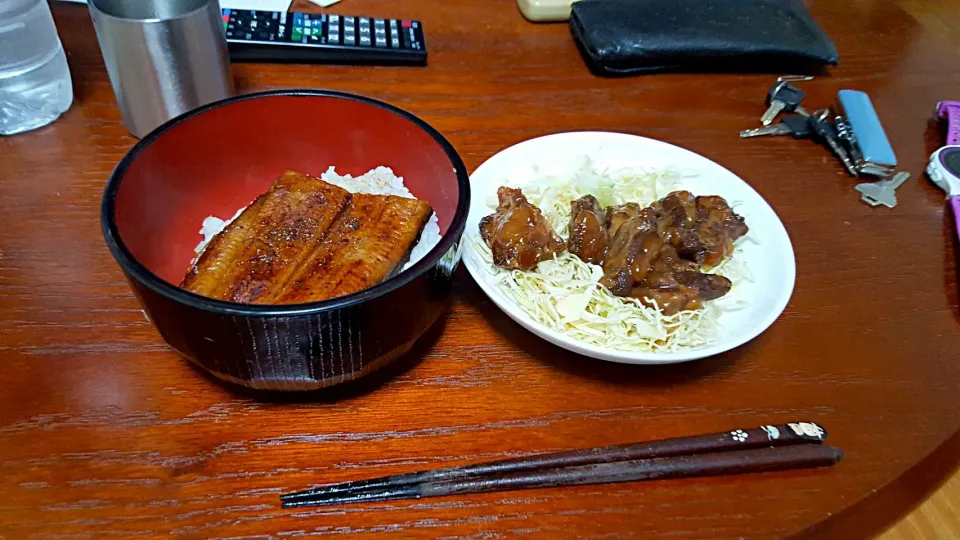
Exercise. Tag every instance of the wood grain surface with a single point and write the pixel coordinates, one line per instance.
(939, 515)
(106, 433)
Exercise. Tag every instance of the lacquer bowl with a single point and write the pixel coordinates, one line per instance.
(214, 161)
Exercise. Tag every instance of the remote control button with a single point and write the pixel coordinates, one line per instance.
(395, 42)
(365, 41)
(364, 21)
(349, 39)
(405, 24)
(381, 42)
(393, 24)
(333, 38)
(348, 21)
(365, 32)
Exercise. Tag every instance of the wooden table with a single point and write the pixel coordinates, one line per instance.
(105, 432)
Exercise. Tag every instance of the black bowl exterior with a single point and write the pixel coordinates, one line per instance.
(305, 351)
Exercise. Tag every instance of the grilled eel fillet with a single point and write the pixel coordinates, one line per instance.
(301, 226)
(370, 239)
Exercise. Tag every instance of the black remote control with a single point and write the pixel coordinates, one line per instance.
(278, 36)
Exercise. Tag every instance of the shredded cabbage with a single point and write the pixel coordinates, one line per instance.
(563, 293)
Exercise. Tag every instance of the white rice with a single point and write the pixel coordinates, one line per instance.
(379, 181)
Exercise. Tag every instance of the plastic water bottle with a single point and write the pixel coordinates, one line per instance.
(35, 85)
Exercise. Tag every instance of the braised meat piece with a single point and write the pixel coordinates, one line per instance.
(636, 236)
(517, 233)
(718, 227)
(661, 288)
(656, 253)
(679, 212)
(670, 300)
(679, 208)
(631, 253)
(703, 229)
(588, 234)
(676, 284)
(710, 286)
(618, 215)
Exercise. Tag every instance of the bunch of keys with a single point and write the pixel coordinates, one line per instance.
(805, 125)
(857, 139)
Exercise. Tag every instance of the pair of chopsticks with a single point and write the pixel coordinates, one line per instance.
(767, 448)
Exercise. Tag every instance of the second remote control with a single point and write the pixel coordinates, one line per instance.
(277, 36)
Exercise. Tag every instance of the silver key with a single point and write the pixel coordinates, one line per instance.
(883, 192)
(783, 97)
(846, 135)
(797, 125)
(822, 127)
(794, 78)
(775, 129)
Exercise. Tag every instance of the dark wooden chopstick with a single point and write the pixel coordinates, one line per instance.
(738, 439)
(709, 464)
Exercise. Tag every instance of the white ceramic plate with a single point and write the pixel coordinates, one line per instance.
(770, 259)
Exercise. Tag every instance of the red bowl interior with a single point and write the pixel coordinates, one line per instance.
(218, 161)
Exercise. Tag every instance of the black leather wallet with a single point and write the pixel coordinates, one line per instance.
(622, 37)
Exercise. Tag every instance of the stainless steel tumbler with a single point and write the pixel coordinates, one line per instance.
(164, 57)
